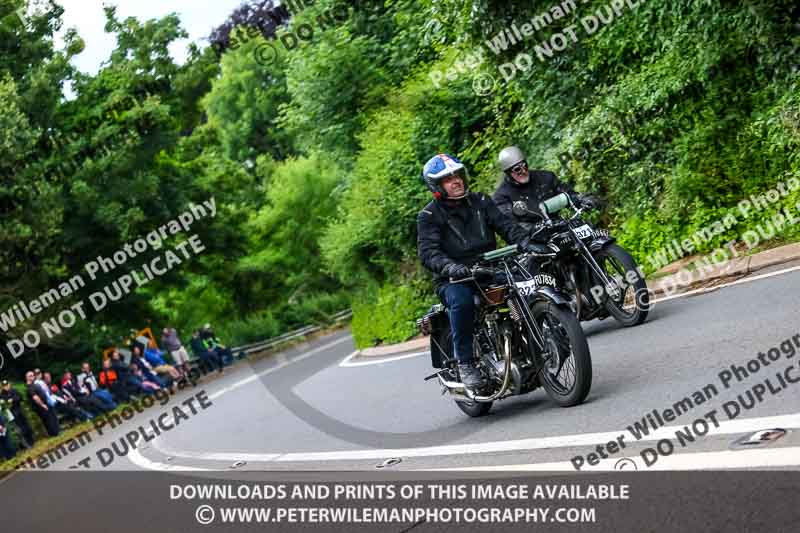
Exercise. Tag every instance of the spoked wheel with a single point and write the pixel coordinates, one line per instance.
(632, 302)
(472, 408)
(567, 372)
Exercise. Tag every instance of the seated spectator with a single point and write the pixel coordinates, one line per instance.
(65, 403)
(39, 382)
(38, 400)
(212, 343)
(124, 374)
(147, 370)
(14, 404)
(7, 448)
(86, 379)
(171, 342)
(86, 400)
(137, 376)
(110, 381)
(155, 357)
(210, 360)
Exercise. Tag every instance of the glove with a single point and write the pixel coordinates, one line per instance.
(482, 272)
(590, 202)
(539, 250)
(456, 271)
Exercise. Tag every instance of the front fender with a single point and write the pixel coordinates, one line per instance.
(601, 242)
(549, 294)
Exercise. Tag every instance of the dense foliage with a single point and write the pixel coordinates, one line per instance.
(671, 111)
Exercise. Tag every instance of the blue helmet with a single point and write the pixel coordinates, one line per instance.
(438, 168)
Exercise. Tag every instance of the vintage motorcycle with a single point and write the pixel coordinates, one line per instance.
(600, 275)
(526, 336)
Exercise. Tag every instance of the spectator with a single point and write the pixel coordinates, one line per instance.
(86, 400)
(110, 381)
(155, 357)
(145, 386)
(39, 402)
(213, 344)
(147, 369)
(64, 403)
(14, 403)
(124, 374)
(39, 382)
(170, 341)
(7, 449)
(87, 379)
(210, 359)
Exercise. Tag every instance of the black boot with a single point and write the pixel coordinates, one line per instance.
(471, 377)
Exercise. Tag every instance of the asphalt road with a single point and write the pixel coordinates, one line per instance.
(305, 409)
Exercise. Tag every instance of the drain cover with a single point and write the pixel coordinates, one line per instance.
(758, 439)
(389, 462)
(237, 464)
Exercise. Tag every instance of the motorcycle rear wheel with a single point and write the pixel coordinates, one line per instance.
(471, 408)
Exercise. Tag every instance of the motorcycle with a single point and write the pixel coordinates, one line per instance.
(525, 336)
(601, 276)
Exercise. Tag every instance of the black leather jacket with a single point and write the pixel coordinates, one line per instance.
(461, 232)
(542, 185)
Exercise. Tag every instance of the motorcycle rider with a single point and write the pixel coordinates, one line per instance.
(453, 230)
(520, 184)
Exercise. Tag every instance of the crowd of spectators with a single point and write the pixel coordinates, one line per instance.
(81, 397)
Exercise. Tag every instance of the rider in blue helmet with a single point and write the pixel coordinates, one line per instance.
(453, 231)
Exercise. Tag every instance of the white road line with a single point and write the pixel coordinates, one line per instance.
(737, 282)
(346, 361)
(761, 458)
(139, 460)
(585, 439)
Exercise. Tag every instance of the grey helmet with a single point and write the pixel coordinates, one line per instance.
(509, 157)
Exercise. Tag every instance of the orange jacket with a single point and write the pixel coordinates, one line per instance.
(107, 378)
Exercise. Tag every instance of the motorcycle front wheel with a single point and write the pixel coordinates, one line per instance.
(633, 303)
(567, 372)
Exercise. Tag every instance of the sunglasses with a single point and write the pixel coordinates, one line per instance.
(519, 168)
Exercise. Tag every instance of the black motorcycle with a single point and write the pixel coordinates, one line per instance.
(525, 336)
(601, 276)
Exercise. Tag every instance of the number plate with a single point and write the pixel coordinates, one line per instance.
(526, 288)
(584, 231)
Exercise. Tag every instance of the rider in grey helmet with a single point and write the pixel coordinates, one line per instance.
(529, 186)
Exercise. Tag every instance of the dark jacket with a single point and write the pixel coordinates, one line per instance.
(460, 233)
(542, 185)
(13, 397)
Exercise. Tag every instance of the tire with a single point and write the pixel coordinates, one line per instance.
(559, 327)
(473, 409)
(640, 297)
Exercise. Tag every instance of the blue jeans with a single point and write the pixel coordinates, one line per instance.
(459, 300)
